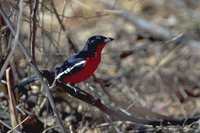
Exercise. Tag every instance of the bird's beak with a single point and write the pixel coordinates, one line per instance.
(108, 39)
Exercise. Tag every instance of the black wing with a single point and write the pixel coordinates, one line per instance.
(70, 66)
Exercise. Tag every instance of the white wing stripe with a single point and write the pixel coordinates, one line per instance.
(69, 69)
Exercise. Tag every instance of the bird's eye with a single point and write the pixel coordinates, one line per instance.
(97, 37)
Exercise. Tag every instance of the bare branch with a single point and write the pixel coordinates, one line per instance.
(118, 114)
(35, 68)
(14, 42)
(12, 102)
(68, 36)
(33, 27)
(13, 129)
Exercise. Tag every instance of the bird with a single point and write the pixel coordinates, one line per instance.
(83, 64)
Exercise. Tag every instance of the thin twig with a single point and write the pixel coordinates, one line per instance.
(62, 18)
(12, 102)
(67, 35)
(37, 71)
(14, 42)
(49, 128)
(72, 129)
(33, 27)
(28, 117)
(9, 127)
(86, 97)
(57, 15)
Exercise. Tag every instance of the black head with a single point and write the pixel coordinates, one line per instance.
(95, 41)
(98, 40)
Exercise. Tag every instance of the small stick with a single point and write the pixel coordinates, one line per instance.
(33, 26)
(20, 123)
(9, 127)
(12, 104)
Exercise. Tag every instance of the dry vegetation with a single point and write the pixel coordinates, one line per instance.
(151, 70)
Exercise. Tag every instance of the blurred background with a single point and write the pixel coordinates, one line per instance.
(150, 70)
